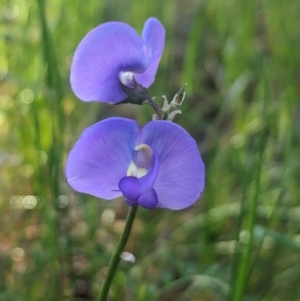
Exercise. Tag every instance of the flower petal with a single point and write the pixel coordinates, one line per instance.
(130, 187)
(101, 157)
(148, 200)
(149, 179)
(100, 57)
(154, 38)
(180, 180)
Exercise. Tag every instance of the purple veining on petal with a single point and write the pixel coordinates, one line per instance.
(99, 162)
(100, 57)
(111, 50)
(154, 38)
(180, 180)
(101, 156)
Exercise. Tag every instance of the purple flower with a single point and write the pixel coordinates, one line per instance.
(113, 53)
(156, 166)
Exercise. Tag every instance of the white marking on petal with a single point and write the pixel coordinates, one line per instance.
(127, 79)
(135, 171)
(74, 178)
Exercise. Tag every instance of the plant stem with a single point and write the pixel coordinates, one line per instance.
(115, 259)
(139, 95)
(156, 108)
(244, 263)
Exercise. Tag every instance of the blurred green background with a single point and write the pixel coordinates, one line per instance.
(241, 241)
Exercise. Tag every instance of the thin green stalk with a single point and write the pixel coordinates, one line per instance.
(244, 262)
(115, 259)
(54, 84)
(241, 217)
(268, 223)
(284, 179)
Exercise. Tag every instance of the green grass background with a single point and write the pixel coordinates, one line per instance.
(240, 241)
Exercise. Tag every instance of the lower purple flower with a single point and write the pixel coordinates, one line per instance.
(156, 166)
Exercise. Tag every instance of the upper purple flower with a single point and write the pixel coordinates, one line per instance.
(156, 166)
(113, 53)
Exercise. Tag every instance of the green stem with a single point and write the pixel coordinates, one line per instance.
(115, 259)
(244, 263)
